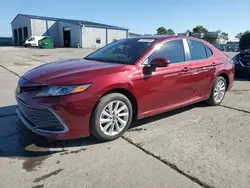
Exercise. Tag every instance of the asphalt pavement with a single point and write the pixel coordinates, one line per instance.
(195, 146)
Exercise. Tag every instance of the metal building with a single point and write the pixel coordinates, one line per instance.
(66, 32)
(134, 35)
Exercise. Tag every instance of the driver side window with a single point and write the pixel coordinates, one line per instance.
(173, 50)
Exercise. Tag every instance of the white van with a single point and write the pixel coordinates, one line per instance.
(33, 41)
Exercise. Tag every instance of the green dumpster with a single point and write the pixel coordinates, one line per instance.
(46, 43)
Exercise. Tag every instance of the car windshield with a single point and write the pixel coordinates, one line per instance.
(31, 39)
(126, 51)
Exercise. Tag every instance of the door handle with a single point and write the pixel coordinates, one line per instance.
(185, 69)
(214, 64)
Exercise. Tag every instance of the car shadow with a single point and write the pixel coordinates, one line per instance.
(16, 140)
(137, 123)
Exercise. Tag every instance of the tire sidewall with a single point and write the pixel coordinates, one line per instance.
(95, 128)
(220, 78)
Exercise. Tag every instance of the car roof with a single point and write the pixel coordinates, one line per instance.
(160, 38)
(166, 37)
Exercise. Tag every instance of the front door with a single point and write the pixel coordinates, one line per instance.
(164, 88)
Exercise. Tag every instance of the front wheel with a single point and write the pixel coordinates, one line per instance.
(218, 91)
(111, 117)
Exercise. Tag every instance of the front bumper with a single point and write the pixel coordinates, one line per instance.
(61, 118)
(43, 120)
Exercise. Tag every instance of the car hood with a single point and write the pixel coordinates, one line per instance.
(67, 72)
(244, 42)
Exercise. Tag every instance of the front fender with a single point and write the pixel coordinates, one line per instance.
(126, 86)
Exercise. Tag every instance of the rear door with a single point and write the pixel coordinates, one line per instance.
(202, 67)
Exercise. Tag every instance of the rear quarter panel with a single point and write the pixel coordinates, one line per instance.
(224, 65)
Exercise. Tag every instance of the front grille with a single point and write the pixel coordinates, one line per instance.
(27, 112)
(32, 88)
(42, 119)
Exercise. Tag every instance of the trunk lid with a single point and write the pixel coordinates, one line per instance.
(244, 43)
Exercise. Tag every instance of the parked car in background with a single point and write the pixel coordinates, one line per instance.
(229, 49)
(128, 79)
(33, 41)
(242, 60)
(235, 49)
(222, 48)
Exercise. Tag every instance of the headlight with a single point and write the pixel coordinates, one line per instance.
(62, 90)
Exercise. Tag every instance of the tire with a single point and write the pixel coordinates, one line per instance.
(212, 99)
(120, 105)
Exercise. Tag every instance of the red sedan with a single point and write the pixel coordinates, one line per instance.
(130, 78)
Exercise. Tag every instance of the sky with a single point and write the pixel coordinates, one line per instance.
(139, 16)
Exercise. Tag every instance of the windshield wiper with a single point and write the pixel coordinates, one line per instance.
(108, 60)
(95, 59)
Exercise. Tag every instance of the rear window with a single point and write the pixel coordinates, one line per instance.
(197, 50)
(209, 51)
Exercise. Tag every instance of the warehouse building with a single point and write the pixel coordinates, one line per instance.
(134, 35)
(65, 32)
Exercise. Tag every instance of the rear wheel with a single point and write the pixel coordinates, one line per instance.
(111, 117)
(218, 91)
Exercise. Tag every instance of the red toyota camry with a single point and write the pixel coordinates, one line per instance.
(130, 78)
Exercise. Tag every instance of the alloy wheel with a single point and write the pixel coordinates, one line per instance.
(219, 91)
(114, 117)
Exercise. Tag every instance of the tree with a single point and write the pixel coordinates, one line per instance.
(162, 31)
(224, 35)
(200, 29)
(239, 35)
(170, 32)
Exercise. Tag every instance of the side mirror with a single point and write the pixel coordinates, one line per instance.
(160, 62)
